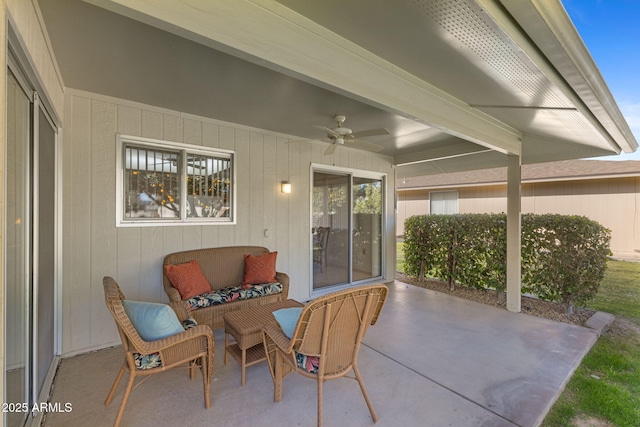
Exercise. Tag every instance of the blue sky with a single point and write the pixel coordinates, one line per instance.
(611, 31)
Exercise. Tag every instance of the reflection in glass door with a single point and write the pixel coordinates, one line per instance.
(367, 228)
(330, 229)
(44, 247)
(347, 213)
(17, 273)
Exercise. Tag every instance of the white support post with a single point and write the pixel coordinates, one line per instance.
(514, 255)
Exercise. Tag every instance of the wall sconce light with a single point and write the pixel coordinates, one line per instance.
(286, 187)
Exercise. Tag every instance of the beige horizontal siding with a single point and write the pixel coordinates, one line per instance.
(410, 203)
(613, 202)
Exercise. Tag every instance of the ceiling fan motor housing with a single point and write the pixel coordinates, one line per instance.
(340, 119)
(340, 130)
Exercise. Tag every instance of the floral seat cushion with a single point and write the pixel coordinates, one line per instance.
(150, 361)
(147, 361)
(308, 363)
(233, 293)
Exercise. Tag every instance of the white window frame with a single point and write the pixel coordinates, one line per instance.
(184, 150)
(431, 201)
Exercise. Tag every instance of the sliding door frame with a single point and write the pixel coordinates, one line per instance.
(351, 173)
(41, 114)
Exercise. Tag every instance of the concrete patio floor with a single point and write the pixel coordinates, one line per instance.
(431, 360)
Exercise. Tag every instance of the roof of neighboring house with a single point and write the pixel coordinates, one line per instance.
(539, 172)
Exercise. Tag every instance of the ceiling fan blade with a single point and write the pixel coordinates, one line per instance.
(193, 165)
(163, 164)
(371, 132)
(331, 149)
(326, 129)
(364, 145)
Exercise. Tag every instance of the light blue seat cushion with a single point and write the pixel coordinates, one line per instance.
(153, 321)
(288, 318)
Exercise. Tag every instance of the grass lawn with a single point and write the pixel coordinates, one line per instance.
(400, 256)
(605, 389)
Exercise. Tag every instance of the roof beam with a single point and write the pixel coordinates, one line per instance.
(268, 33)
(449, 150)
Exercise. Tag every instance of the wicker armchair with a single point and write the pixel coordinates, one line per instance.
(331, 329)
(191, 348)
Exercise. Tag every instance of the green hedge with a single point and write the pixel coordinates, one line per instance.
(563, 257)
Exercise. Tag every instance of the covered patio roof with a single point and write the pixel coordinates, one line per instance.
(459, 84)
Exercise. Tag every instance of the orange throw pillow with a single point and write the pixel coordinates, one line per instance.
(259, 269)
(188, 279)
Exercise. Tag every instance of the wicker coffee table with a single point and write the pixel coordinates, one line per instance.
(245, 326)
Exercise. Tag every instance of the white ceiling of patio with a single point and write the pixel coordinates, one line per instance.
(458, 83)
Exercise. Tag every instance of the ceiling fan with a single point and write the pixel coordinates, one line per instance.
(173, 161)
(341, 135)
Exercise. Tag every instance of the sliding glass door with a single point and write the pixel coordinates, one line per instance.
(30, 249)
(346, 227)
(330, 229)
(367, 228)
(44, 200)
(17, 264)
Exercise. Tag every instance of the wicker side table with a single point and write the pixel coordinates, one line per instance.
(245, 326)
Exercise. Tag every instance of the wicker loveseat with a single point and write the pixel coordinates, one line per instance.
(224, 270)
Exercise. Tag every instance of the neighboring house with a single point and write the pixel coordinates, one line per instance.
(135, 128)
(605, 191)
